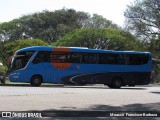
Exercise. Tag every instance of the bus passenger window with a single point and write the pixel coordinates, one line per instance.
(93, 58)
(85, 58)
(110, 59)
(76, 58)
(121, 59)
(102, 58)
(42, 56)
(60, 57)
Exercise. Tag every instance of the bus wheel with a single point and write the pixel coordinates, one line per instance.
(116, 83)
(36, 80)
(131, 85)
(110, 86)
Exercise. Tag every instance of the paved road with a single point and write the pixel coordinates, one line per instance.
(97, 97)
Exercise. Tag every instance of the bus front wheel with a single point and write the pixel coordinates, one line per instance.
(116, 83)
(36, 81)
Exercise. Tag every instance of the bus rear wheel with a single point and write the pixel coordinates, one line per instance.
(116, 83)
(110, 86)
(36, 81)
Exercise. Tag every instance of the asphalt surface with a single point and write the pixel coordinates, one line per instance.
(79, 98)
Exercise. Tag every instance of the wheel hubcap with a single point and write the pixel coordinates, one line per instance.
(36, 80)
(117, 83)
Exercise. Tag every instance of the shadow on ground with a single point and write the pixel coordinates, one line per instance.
(103, 112)
(72, 86)
(98, 112)
(156, 92)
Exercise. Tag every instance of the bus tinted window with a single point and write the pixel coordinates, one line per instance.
(137, 59)
(92, 58)
(84, 58)
(111, 58)
(42, 56)
(76, 58)
(102, 59)
(122, 59)
(60, 57)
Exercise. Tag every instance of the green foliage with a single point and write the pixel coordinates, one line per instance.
(111, 39)
(154, 47)
(143, 19)
(98, 21)
(51, 26)
(46, 25)
(10, 48)
(3, 68)
(10, 30)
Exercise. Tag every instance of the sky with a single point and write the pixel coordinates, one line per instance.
(110, 9)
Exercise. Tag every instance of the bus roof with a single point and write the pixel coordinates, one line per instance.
(78, 49)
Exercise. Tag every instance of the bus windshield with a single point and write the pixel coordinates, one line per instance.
(20, 60)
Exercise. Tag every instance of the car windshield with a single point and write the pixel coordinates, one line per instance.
(20, 60)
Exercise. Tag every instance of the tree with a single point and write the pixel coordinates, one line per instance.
(9, 48)
(111, 39)
(51, 26)
(154, 47)
(3, 68)
(11, 30)
(143, 18)
(2, 53)
(46, 25)
(98, 21)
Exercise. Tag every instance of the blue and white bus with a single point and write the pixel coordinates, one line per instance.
(80, 66)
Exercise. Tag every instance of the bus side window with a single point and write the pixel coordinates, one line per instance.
(126, 59)
(137, 59)
(61, 57)
(85, 58)
(133, 60)
(121, 59)
(75, 58)
(42, 56)
(111, 58)
(93, 58)
(102, 58)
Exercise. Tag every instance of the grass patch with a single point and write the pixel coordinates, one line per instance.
(9, 82)
(158, 83)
